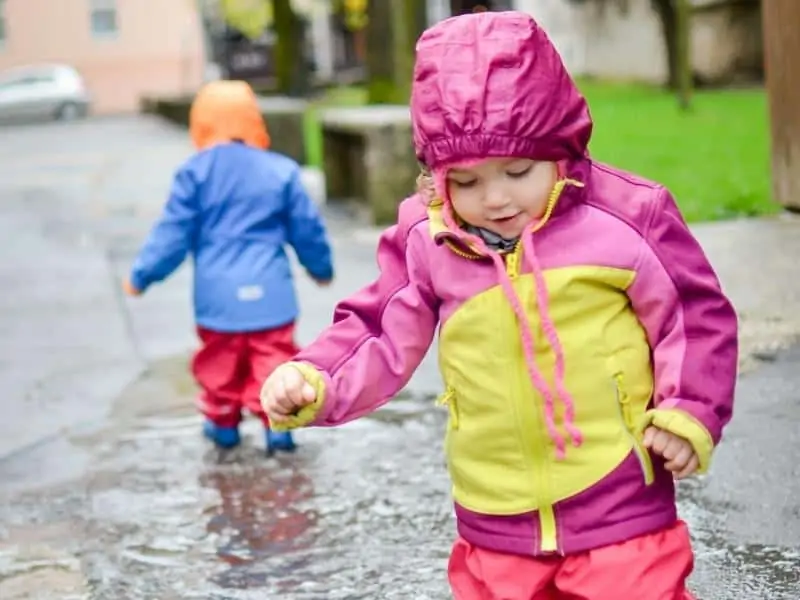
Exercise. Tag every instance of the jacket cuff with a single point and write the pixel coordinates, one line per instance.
(312, 412)
(324, 274)
(138, 281)
(682, 424)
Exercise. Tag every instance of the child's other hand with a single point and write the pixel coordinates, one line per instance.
(323, 282)
(285, 392)
(129, 289)
(682, 461)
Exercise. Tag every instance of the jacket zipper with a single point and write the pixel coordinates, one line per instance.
(462, 253)
(548, 541)
(548, 528)
(623, 402)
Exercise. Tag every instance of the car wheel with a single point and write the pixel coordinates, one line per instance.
(69, 111)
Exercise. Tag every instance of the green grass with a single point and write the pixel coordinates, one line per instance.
(715, 158)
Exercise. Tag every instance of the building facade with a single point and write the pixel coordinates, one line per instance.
(123, 48)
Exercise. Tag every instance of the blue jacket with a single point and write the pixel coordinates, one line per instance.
(234, 208)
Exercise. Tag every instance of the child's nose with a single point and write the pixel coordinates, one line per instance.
(496, 197)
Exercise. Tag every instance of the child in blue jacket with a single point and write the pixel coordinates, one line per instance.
(235, 207)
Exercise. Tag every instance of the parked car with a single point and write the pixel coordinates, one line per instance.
(45, 91)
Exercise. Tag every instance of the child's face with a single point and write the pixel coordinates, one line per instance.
(502, 195)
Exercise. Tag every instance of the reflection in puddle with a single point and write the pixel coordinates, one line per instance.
(261, 513)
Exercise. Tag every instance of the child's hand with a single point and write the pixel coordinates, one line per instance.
(323, 282)
(682, 460)
(285, 392)
(128, 288)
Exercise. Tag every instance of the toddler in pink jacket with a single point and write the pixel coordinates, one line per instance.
(588, 353)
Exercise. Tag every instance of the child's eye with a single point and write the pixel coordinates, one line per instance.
(516, 174)
(464, 184)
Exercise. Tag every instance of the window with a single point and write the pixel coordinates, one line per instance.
(103, 15)
(2, 22)
(26, 81)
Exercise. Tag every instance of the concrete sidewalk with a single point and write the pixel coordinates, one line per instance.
(65, 347)
(758, 262)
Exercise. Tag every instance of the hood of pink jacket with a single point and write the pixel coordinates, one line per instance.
(493, 84)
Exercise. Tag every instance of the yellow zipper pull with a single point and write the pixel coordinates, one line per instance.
(623, 397)
(445, 397)
(448, 398)
(624, 400)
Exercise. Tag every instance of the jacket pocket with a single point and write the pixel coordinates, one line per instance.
(629, 424)
(448, 399)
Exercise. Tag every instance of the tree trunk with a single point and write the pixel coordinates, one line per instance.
(291, 68)
(782, 58)
(669, 29)
(392, 32)
(380, 67)
(683, 53)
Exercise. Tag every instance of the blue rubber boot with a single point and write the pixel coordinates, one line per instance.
(223, 437)
(279, 441)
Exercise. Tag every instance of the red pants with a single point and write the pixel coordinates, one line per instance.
(231, 368)
(650, 567)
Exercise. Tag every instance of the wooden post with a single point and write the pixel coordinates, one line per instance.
(683, 33)
(782, 65)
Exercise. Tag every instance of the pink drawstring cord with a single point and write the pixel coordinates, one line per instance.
(542, 303)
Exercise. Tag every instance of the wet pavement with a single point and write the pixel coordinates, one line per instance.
(108, 491)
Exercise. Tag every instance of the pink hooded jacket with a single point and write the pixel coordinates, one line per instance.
(605, 319)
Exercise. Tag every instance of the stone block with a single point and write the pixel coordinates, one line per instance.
(369, 157)
(284, 118)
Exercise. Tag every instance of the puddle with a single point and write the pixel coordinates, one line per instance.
(730, 570)
(361, 511)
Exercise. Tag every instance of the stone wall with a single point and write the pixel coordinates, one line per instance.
(727, 41)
